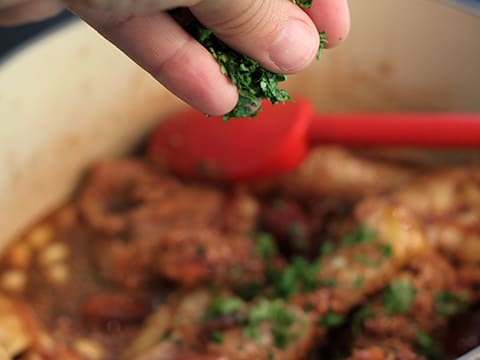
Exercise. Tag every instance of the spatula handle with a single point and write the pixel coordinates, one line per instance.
(442, 130)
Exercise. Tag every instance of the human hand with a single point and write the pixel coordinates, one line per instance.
(277, 33)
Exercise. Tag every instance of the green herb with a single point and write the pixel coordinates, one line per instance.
(362, 259)
(307, 4)
(428, 346)
(265, 246)
(216, 337)
(448, 304)
(280, 319)
(200, 250)
(308, 307)
(251, 79)
(222, 306)
(249, 291)
(331, 320)
(271, 355)
(361, 235)
(297, 233)
(328, 282)
(168, 334)
(327, 248)
(358, 283)
(386, 250)
(299, 276)
(398, 297)
(323, 42)
(364, 313)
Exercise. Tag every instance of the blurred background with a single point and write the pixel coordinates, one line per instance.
(12, 37)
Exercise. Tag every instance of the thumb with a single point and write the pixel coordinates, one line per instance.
(276, 33)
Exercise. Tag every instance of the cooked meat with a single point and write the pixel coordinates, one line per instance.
(335, 172)
(152, 225)
(188, 327)
(419, 301)
(448, 202)
(367, 264)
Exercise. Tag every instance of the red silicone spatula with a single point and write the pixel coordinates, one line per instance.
(193, 145)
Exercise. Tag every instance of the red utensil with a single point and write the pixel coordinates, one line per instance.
(275, 142)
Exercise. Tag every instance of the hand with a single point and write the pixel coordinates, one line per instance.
(277, 33)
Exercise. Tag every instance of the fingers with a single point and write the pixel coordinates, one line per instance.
(277, 33)
(28, 11)
(332, 17)
(158, 44)
(134, 6)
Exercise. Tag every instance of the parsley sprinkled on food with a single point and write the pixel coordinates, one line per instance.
(361, 235)
(398, 297)
(428, 346)
(332, 320)
(300, 276)
(449, 304)
(265, 246)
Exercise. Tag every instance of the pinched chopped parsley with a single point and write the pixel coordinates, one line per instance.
(323, 42)
(449, 304)
(361, 235)
(428, 347)
(253, 82)
(398, 297)
(307, 4)
(265, 246)
(331, 320)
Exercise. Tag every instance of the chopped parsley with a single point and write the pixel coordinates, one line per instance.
(307, 4)
(279, 318)
(398, 297)
(449, 304)
(331, 320)
(327, 248)
(323, 42)
(364, 313)
(265, 246)
(222, 306)
(362, 259)
(216, 337)
(428, 347)
(358, 282)
(386, 250)
(253, 82)
(300, 276)
(200, 250)
(361, 235)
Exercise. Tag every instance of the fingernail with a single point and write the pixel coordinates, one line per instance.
(295, 46)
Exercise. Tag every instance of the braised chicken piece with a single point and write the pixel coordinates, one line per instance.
(335, 172)
(448, 202)
(152, 225)
(205, 325)
(416, 305)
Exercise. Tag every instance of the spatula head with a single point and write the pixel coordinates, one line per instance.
(193, 145)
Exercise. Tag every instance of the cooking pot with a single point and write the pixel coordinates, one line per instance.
(70, 97)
